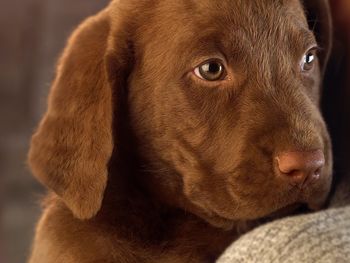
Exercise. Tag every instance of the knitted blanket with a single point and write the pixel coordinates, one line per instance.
(320, 237)
(317, 237)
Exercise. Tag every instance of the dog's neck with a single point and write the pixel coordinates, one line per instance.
(138, 216)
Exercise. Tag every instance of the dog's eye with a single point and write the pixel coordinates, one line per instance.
(211, 71)
(308, 60)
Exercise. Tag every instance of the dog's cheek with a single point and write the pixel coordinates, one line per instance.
(311, 84)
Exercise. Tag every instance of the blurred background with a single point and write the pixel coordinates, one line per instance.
(33, 32)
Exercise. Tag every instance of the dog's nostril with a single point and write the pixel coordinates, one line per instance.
(300, 167)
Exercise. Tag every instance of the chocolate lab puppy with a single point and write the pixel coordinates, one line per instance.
(172, 125)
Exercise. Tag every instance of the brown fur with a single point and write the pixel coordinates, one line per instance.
(148, 163)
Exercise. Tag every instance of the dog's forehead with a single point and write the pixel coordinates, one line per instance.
(230, 20)
(242, 13)
(253, 18)
(241, 5)
(231, 8)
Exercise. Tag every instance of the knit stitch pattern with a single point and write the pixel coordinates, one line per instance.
(319, 237)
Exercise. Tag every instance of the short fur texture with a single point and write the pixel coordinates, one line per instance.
(148, 163)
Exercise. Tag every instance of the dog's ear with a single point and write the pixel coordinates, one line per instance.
(72, 147)
(320, 21)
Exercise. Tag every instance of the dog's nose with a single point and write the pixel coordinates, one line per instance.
(300, 167)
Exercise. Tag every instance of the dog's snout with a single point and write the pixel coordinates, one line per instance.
(302, 168)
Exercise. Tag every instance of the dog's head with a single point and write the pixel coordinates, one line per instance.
(222, 100)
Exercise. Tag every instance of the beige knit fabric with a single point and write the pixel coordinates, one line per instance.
(319, 237)
(322, 237)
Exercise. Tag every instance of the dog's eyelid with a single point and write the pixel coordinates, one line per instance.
(318, 49)
(315, 48)
(203, 60)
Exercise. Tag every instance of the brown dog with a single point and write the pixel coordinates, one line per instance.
(173, 124)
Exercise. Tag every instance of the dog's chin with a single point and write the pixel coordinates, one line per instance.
(318, 203)
(303, 205)
(309, 200)
(296, 209)
(228, 224)
(288, 210)
(220, 221)
(316, 199)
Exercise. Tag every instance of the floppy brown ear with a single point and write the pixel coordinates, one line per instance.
(71, 149)
(320, 21)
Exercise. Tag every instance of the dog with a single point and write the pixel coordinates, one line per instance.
(174, 126)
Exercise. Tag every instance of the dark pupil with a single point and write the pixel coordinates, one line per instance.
(214, 68)
(211, 70)
(309, 58)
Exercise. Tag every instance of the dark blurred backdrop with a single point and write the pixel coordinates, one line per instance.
(33, 32)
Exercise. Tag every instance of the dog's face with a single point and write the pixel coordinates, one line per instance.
(218, 96)
(218, 93)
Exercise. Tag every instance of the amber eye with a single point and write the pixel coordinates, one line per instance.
(210, 71)
(308, 60)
